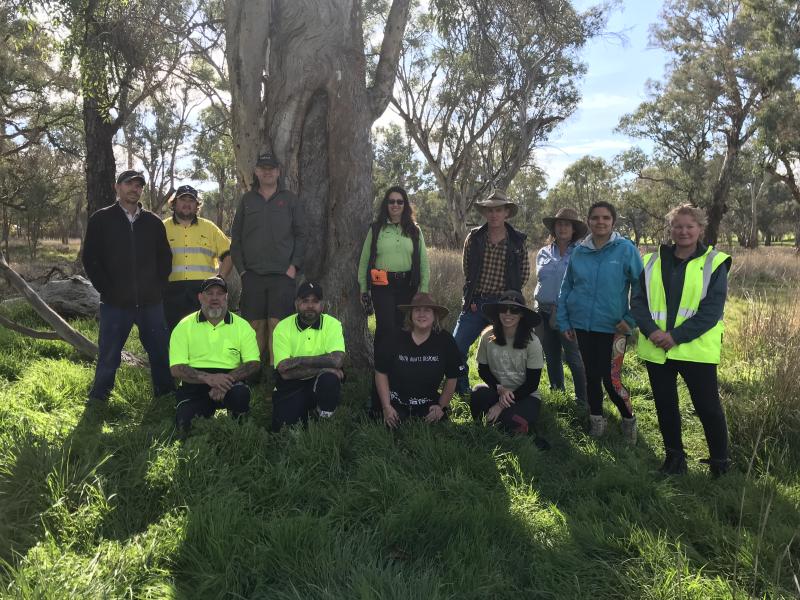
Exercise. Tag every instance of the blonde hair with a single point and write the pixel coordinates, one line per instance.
(698, 214)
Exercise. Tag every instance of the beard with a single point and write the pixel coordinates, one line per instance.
(216, 312)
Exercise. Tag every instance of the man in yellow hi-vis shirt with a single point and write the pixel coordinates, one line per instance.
(199, 250)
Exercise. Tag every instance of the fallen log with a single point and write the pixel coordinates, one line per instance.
(62, 330)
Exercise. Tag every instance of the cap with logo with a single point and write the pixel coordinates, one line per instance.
(309, 288)
(211, 282)
(186, 190)
(267, 159)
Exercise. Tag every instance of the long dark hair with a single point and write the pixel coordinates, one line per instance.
(407, 222)
(523, 335)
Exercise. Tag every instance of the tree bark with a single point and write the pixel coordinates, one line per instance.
(100, 163)
(314, 112)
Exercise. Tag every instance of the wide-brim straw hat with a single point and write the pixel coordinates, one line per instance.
(511, 298)
(497, 198)
(567, 214)
(422, 299)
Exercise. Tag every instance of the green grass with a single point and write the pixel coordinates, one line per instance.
(112, 505)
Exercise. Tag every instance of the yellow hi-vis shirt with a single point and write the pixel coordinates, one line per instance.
(201, 345)
(196, 249)
(292, 338)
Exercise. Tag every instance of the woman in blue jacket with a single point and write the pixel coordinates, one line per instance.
(593, 309)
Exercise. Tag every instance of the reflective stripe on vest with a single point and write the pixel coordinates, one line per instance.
(192, 250)
(697, 278)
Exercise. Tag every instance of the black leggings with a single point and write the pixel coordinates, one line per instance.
(385, 299)
(520, 417)
(602, 370)
(293, 400)
(701, 379)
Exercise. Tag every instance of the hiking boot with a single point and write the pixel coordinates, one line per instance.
(597, 425)
(629, 430)
(674, 462)
(717, 466)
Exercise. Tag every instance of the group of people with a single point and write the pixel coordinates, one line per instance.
(593, 289)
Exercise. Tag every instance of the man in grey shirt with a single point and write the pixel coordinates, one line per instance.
(268, 243)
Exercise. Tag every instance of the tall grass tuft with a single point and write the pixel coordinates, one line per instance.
(760, 381)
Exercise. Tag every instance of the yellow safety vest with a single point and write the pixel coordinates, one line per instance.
(195, 249)
(697, 277)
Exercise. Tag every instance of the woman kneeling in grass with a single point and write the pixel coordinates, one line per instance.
(510, 361)
(409, 368)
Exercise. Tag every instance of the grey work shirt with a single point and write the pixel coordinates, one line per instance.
(268, 235)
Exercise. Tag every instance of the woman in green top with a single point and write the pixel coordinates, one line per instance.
(394, 263)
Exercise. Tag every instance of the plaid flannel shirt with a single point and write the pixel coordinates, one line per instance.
(492, 279)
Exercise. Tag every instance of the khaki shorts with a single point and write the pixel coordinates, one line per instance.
(266, 296)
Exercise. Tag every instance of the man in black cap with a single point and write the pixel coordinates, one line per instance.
(212, 352)
(268, 244)
(309, 354)
(199, 250)
(127, 257)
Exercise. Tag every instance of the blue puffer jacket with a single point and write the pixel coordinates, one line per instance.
(595, 290)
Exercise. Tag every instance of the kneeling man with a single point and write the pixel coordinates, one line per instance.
(212, 351)
(309, 353)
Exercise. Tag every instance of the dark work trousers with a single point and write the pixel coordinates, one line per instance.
(596, 350)
(701, 379)
(385, 299)
(555, 347)
(115, 326)
(293, 400)
(193, 401)
(180, 299)
(520, 417)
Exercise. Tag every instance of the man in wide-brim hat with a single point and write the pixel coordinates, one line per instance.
(495, 260)
(497, 198)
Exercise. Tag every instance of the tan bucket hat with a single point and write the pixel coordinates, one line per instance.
(497, 198)
(422, 299)
(567, 214)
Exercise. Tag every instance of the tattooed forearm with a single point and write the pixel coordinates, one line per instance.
(187, 374)
(244, 371)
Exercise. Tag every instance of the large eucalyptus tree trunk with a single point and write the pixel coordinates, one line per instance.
(298, 88)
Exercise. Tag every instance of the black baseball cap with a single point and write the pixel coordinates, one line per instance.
(211, 282)
(308, 288)
(267, 159)
(186, 190)
(130, 175)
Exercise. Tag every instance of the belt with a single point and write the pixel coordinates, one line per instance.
(398, 274)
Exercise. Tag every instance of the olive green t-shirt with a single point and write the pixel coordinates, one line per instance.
(507, 363)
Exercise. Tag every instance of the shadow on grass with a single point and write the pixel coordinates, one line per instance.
(348, 509)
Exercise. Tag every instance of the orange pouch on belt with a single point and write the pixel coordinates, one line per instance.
(379, 277)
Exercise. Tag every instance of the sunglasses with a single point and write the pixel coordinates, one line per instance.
(399, 202)
(514, 310)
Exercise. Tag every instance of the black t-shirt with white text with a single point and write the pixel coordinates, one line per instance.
(416, 372)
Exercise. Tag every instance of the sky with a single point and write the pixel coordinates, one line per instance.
(613, 86)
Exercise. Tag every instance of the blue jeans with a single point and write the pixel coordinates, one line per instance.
(468, 329)
(553, 343)
(115, 326)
